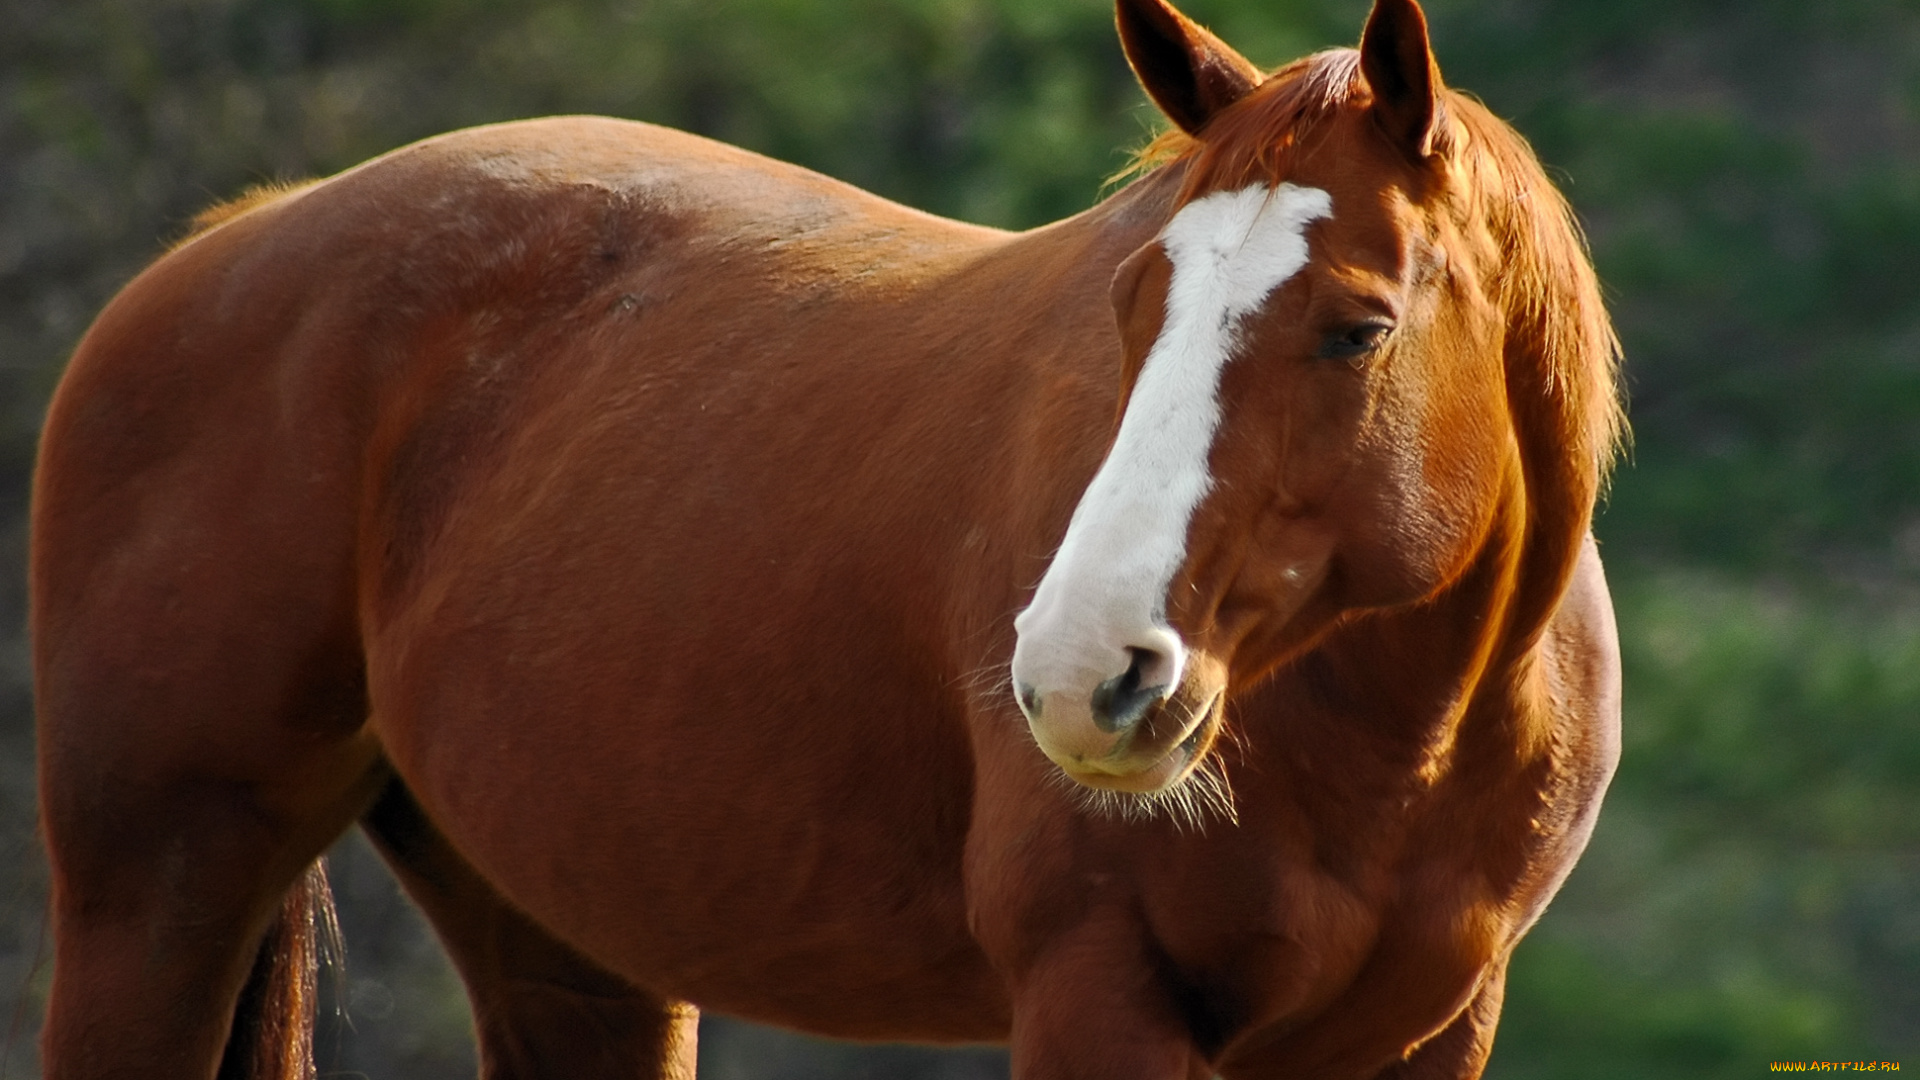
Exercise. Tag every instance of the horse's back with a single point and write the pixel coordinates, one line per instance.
(335, 351)
(251, 366)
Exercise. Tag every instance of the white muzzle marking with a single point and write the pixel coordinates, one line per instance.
(1101, 607)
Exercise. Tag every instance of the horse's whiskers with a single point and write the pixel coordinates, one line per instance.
(987, 685)
(1205, 795)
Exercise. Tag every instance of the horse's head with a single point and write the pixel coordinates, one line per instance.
(1365, 350)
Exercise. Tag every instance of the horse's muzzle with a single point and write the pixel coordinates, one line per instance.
(1132, 733)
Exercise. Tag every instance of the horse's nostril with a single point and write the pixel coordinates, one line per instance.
(1122, 701)
(1028, 697)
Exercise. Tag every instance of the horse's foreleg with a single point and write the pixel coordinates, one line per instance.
(1461, 1049)
(1090, 1008)
(541, 1010)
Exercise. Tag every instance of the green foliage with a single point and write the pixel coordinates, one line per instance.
(1748, 173)
(1753, 891)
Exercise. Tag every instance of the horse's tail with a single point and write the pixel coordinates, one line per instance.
(272, 1036)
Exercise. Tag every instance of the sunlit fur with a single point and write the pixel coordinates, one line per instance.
(255, 196)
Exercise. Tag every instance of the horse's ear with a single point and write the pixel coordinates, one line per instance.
(1398, 63)
(1188, 72)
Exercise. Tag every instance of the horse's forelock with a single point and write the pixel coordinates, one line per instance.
(1253, 141)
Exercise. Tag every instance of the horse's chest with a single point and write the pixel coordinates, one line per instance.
(1247, 942)
(1318, 962)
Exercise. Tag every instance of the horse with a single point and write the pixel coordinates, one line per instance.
(1169, 641)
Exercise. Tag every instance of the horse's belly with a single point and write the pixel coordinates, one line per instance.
(762, 843)
(840, 919)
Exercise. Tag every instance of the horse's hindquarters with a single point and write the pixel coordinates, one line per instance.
(199, 688)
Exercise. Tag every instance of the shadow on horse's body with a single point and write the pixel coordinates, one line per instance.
(628, 531)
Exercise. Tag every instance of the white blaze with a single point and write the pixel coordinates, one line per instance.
(1105, 592)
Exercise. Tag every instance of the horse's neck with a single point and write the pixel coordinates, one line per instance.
(1423, 676)
(1098, 239)
(1042, 374)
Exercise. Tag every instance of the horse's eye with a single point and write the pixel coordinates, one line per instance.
(1355, 342)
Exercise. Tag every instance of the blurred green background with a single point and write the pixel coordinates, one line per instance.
(1749, 171)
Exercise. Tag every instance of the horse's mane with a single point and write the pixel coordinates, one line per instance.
(255, 196)
(1542, 278)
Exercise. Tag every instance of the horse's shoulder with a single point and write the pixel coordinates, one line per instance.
(1580, 660)
(1582, 649)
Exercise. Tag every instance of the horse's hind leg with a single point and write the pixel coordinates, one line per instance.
(541, 1010)
(198, 748)
(166, 877)
(164, 888)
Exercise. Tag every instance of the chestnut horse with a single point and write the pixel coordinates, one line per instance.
(1168, 640)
